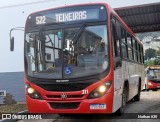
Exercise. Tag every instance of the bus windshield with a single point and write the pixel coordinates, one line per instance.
(67, 53)
(154, 74)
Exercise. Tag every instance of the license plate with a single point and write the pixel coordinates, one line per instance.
(97, 106)
(158, 86)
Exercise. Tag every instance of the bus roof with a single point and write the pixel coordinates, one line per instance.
(74, 5)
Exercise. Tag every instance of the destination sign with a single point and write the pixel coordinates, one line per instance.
(71, 16)
(68, 15)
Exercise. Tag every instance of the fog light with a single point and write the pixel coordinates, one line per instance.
(36, 95)
(102, 89)
(96, 94)
(30, 90)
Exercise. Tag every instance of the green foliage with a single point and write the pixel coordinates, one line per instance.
(149, 63)
(15, 108)
(158, 52)
(157, 61)
(150, 53)
(8, 100)
(152, 62)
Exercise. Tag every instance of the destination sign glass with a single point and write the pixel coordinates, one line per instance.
(68, 15)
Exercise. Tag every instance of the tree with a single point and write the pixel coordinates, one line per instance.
(158, 52)
(149, 63)
(150, 53)
(8, 100)
(157, 61)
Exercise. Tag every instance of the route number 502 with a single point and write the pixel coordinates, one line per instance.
(85, 91)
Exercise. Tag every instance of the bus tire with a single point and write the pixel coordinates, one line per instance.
(146, 88)
(121, 110)
(64, 115)
(137, 97)
(154, 89)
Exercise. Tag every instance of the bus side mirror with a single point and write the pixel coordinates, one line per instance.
(12, 44)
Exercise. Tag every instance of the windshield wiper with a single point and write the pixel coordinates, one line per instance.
(77, 35)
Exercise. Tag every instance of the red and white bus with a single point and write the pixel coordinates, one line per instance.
(81, 59)
(152, 79)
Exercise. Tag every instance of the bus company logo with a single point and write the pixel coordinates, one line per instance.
(63, 96)
(62, 80)
(6, 116)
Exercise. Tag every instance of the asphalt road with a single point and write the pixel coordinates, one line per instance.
(149, 103)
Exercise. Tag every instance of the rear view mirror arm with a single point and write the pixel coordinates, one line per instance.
(12, 38)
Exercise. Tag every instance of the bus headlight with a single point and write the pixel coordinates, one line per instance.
(100, 91)
(33, 93)
(30, 90)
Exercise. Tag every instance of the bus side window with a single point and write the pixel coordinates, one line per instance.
(130, 46)
(142, 53)
(134, 50)
(116, 43)
(124, 43)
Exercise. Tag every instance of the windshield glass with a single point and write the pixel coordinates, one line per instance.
(67, 53)
(154, 74)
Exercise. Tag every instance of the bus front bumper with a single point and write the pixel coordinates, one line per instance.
(153, 86)
(88, 106)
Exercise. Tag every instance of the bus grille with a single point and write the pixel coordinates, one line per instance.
(71, 105)
(64, 87)
(68, 96)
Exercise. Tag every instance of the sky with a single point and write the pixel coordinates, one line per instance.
(113, 3)
(15, 16)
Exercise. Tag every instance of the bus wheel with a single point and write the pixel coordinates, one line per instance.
(137, 97)
(146, 88)
(65, 115)
(121, 110)
(154, 89)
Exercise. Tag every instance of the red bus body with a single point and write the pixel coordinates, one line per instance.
(76, 102)
(152, 80)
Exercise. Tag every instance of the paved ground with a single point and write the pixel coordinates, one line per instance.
(149, 103)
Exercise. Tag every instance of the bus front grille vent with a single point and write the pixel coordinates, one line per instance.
(64, 87)
(68, 96)
(71, 105)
